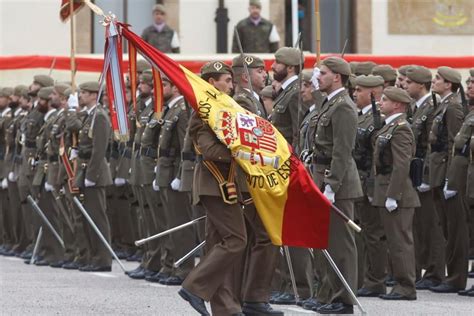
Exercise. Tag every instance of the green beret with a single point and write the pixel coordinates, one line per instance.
(351, 83)
(21, 91)
(450, 74)
(6, 92)
(419, 74)
(397, 95)
(471, 72)
(147, 78)
(267, 92)
(43, 80)
(256, 3)
(307, 74)
(387, 72)
(67, 92)
(250, 61)
(337, 65)
(215, 67)
(45, 92)
(61, 87)
(90, 86)
(403, 69)
(160, 8)
(289, 56)
(353, 65)
(369, 81)
(142, 65)
(364, 68)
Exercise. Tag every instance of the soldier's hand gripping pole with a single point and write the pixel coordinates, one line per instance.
(189, 254)
(35, 206)
(343, 280)
(346, 219)
(96, 229)
(169, 231)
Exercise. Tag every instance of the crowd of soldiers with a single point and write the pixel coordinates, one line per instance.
(392, 150)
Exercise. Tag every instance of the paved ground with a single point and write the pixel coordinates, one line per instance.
(32, 290)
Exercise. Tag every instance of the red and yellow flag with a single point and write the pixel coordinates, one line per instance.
(293, 210)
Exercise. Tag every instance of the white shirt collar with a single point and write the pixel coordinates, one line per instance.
(332, 94)
(366, 108)
(6, 111)
(17, 111)
(148, 101)
(48, 114)
(89, 111)
(312, 108)
(392, 117)
(422, 99)
(61, 111)
(174, 101)
(255, 94)
(288, 81)
(446, 96)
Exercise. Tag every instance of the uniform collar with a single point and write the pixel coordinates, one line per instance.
(288, 81)
(366, 109)
(17, 111)
(89, 111)
(256, 96)
(333, 94)
(422, 99)
(6, 111)
(312, 108)
(48, 114)
(148, 101)
(392, 117)
(447, 96)
(173, 102)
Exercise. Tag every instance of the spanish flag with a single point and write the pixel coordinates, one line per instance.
(293, 210)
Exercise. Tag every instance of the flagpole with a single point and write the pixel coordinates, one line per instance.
(318, 32)
(73, 47)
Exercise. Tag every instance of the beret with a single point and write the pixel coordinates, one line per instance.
(45, 92)
(369, 81)
(91, 86)
(6, 92)
(146, 77)
(215, 67)
(256, 3)
(403, 69)
(250, 61)
(306, 74)
(142, 65)
(397, 95)
(160, 8)
(450, 74)
(364, 68)
(21, 91)
(419, 74)
(289, 56)
(61, 88)
(337, 65)
(471, 72)
(43, 80)
(387, 72)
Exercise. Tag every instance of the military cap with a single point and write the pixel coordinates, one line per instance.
(91, 86)
(160, 8)
(289, 56)
(61, 87)
(21, 91)
(43, 80)
(67, 92)
(147, 77)
(256, 3)
(306, 74)
(142, 65)
(267, 92)
(387, 72)
(364, 68)
(353, 65)
(471, 72)
(419, 74)
(45, 92)
(352, 81)
(369, 81)
(337, 65)
(215, 67)
(6, 92)
(403, 69)
(249, 60)
(449, 74)
(397, 95)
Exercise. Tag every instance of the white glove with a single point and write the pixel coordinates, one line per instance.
(74, 154)
(329, 193)
(33, 162)
(73, 101)
(448, 193)
(370, 199)
(423, 187)
(4, 183)
(175, 184)
(88, 183)
(155, 169)
(48, 187)
(391, 204)
(12, 177)
(156, 187)
(314, 78)
(120, 181)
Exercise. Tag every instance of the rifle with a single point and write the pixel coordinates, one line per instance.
(463, 100)
(435, 100)
(375, 113)
(242, 55)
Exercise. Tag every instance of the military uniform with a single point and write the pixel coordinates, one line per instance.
(162, 37)
(448, 118)
(335, 170)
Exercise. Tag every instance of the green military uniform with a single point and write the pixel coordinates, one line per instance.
(370, 244)
(335, 170)
(160, 39)
(286, 115)
(92, 176)
(448, 120)
(393, 150)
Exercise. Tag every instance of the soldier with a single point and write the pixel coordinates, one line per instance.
(428, 234)
(387, 72)
(451, 207)
(257, 34)
(402, 75)
(335, 173)
(286, 115)
(93, 175)
(159, 34)
(394, 194)
(257, 279)
(373, 265)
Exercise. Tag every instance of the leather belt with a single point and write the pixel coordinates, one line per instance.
(149, 152)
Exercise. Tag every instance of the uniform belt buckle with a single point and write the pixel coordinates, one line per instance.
(327, 173)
